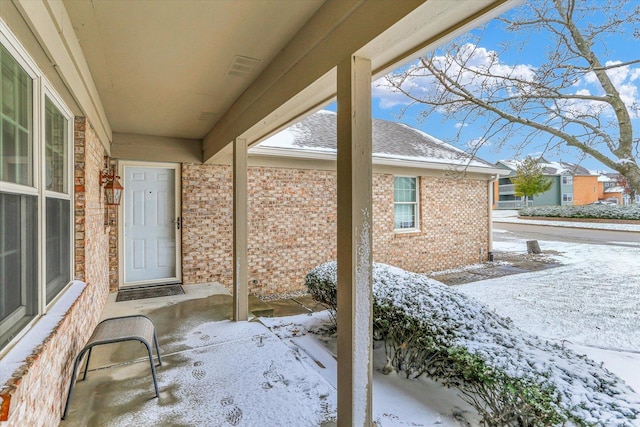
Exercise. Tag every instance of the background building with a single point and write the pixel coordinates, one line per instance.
(573, 185)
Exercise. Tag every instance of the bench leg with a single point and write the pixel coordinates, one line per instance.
(155, 340)
(86, 366)
(153, 367)
(73, 380)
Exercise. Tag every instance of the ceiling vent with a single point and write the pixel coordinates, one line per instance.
(207, 116)
(242, 66)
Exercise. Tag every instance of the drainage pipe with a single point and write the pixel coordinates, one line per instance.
(490, 196)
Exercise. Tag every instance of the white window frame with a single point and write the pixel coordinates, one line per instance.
(41, 90)
(567, 197)
(567, 180)
(47, 92)
(416, 205)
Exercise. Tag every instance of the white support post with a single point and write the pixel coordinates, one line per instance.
(355, 301)
(240, 270)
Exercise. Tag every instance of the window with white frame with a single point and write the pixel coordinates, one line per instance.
(405, 203)
(567, 180)
(567, 197)
(35, 191)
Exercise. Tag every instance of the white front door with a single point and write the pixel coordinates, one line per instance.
(151, 224)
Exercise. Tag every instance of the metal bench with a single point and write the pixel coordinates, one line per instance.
(117, 329)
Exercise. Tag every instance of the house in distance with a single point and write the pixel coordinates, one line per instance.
(573, 185)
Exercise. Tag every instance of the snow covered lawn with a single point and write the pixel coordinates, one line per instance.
(593, 299)
(508, 375)
(592, 302)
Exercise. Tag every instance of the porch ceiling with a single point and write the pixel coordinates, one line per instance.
(166, 68)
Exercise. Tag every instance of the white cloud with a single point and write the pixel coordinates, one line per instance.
(629, 95)
(480, 62)
(387, 98)
(626, 80)
(461, 125)
(477, 60)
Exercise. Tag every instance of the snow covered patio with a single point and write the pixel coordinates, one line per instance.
(217, 372)
(214, 372)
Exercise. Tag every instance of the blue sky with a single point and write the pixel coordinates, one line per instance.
(388, 106)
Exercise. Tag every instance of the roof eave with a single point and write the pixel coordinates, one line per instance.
(331, 156)
(421, 164)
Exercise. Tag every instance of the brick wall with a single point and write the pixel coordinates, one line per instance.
(207, 215)
(292, 223)
(453, 225)
(585, 190)
(36, 393)
(92, 246)
(292, 226)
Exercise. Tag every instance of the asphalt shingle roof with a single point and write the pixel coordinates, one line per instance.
(318, 132)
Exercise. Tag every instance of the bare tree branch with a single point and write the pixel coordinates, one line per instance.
(573, 98)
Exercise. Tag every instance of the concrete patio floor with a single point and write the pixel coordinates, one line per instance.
(201, 352)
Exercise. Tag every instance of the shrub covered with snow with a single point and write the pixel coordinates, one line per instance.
(509, 376)
(588, 211)
(321, 284)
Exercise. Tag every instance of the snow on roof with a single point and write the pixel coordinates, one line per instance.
(614, 190)
(551, 168)
(604, 178)
(391, 140)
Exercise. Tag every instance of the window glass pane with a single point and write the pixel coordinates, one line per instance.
(16, 155)
(55, 148)
(404, 189)
(58, 242)
(405, 198)
(18, 263)
(404, 216)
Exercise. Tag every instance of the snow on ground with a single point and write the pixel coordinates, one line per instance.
(397, 401)
(243, 376)
(583, 304)
(592, 299)
(598, 284)
(591, 303)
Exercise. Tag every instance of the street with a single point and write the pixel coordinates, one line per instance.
(566, 234)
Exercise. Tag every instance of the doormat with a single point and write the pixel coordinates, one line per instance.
(149, 292)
